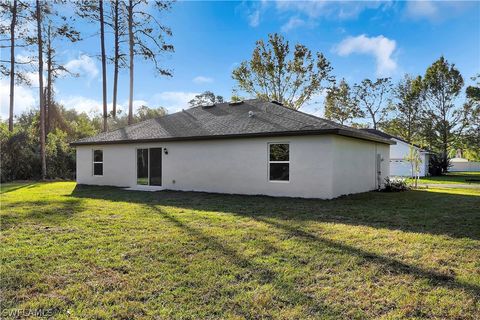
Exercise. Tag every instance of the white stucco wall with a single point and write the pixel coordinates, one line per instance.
(399, 166)
(241, 166)
(354, 165)
(468, 166)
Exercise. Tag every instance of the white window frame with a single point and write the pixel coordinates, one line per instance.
(270, 162)
(94, 162)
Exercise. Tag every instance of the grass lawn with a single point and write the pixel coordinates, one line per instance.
(98, 252)
(453, 178)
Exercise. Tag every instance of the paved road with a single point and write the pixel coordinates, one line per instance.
(453, 185)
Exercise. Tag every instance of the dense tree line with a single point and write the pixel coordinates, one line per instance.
(422, 109)
(21, 157)
(39, 29)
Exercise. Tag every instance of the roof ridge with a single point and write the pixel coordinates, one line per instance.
(337, 125)
(228, 121)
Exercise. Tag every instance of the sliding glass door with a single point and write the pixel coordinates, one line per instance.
(156, 166)
(149, 166)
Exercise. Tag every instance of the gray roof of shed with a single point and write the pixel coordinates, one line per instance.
(223, 121)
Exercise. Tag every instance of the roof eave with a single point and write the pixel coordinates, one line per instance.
(238, 136)
(351, 134)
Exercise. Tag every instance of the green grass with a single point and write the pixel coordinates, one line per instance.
(452, 178)
(98, 252)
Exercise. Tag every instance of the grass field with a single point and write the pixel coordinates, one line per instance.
(98, 252)
(453, 178)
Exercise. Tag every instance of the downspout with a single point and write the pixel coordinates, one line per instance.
(378, 168)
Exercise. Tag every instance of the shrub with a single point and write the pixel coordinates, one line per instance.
(395, 184)
(60, 157)
(438, 165)
(20, 159)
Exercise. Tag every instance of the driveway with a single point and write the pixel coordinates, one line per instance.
(453, 185)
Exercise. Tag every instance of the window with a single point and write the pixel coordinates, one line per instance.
(98, 162)
(142, 166)
(279, 162)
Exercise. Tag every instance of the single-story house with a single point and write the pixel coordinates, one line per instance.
(247, 147)
(398, 152)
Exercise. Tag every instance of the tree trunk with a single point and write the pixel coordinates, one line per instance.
(130, 36)
(12, 64)
(104, 67)
(48, 107)
(40, 90)
(373, 120)
(115, 70)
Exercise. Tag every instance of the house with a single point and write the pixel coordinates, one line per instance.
(398, 152)
(248, 147)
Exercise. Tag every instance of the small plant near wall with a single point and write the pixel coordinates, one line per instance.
(415, 161)
(395, 184)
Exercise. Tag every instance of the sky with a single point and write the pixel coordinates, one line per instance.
(360, 39)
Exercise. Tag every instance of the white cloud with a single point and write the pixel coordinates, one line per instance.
(254, 18)
(305, 13)
(135, 104)
(25, 99)
(83, 66)
(312, 9)
(293, 23)
(436, 11)
(173, 101)
(422, 9)
(93, 106)
(324, 8)
(252, 11)
(380, 47)
(82, 104)
(202, 80)
(30, 63)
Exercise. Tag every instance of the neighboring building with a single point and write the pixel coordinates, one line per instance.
(461, 164)
(251, 147)
(398, 152)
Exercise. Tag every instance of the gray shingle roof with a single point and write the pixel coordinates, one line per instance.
(389, 136)
(228, 121)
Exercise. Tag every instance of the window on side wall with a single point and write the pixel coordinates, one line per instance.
(279, 162)
(98, 162)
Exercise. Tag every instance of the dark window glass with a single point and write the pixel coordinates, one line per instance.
(156, 166)
(279, 171)
(98, 169)
(142, 166)
(97, 155)
(279, 152)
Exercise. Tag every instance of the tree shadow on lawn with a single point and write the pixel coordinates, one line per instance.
(433, 213)
(46, 212)
(288, 293)
(388, 265)
(408, 213)
(13, 187)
